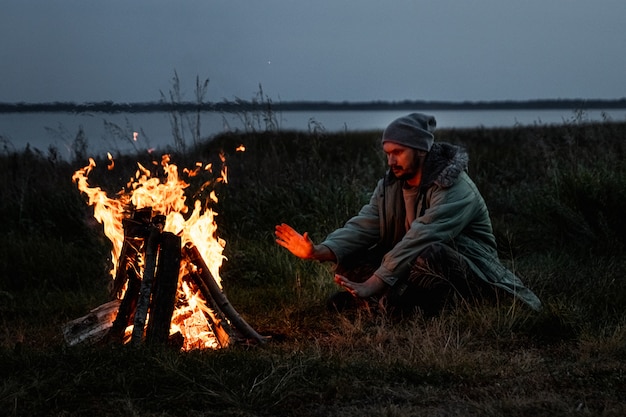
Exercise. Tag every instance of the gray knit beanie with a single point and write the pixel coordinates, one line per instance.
(414, 130)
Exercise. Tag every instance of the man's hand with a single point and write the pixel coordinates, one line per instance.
(300, 245)
(372, 286)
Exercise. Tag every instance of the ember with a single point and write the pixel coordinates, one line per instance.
(165, 266)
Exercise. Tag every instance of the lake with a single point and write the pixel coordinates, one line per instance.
(115, 132)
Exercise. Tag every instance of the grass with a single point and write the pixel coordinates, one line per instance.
(556, 196)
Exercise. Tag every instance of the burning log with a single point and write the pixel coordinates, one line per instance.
(218, 322)
(126, 311)
(135, 230)
(145, 291)
(164, 289)
(218, 295)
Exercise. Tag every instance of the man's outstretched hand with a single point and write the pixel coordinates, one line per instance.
(300, 245)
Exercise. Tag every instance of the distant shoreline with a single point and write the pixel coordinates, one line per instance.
(241, 105)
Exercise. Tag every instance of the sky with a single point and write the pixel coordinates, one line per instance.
(330, 50)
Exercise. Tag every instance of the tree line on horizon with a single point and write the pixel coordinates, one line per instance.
(243, 105)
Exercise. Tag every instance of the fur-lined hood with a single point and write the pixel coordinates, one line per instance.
(442, 166)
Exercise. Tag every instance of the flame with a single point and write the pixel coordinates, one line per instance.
(190, 321)
(109, 212)
(111, 165)
(165, 197)
(224, 176)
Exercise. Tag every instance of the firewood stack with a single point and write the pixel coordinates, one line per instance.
(147, 297)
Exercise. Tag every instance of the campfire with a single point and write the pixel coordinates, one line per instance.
(165, 286)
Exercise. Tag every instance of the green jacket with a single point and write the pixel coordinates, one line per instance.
(450, 211)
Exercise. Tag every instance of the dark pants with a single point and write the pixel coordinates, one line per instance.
(438, 277)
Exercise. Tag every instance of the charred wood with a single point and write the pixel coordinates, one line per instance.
(143, 303)
(217, 320)
(126, 311)
(92, 327)
(136, 229)
(164, 289)
(219, 297)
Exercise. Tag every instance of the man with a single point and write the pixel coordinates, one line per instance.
(425, 238)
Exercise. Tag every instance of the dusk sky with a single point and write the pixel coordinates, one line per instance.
(128, 51)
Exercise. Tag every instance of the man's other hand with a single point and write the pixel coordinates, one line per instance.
(369, 288)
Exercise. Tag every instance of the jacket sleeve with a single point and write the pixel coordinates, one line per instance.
(361, 231)
(449, 211)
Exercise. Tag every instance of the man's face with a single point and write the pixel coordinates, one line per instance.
(403, 161)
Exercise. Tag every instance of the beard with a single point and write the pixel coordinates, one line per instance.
(408, 172)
